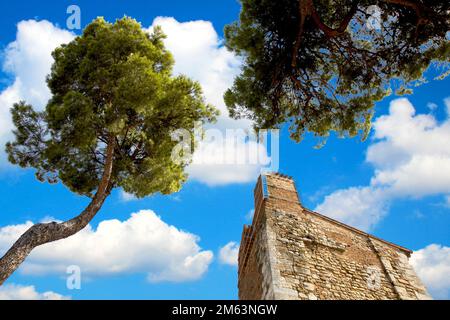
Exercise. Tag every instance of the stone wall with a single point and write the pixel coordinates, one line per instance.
(290, 252)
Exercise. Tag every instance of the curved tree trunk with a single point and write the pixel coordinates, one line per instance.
(40, 234)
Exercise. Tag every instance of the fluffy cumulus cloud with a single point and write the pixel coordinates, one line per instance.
(28, 60)
(432, 265)
(19, 292)
(229, 253)
(411, 157)
(143, 243)
(361, 207)
(228, 160)
(127, 197)
(200, 54)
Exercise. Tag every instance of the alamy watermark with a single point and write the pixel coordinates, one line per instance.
(73, 22)
(73, 281)
(373, 278)
(374, 20)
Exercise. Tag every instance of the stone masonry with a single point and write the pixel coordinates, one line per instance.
(290, 252)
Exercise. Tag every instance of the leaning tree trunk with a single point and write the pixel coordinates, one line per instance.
(43, 233)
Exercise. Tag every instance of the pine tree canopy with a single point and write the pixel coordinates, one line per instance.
(111, 85)
(320, 65)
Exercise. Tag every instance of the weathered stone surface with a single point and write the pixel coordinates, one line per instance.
(290, 252)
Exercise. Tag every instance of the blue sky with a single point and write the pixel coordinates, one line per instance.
(394, 185)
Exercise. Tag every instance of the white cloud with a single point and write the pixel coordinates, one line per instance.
(229, 253)
(143, 243)
(447, 105)
(127, 197)
(361, 207)
(411, 157)
(200, 54)
(432, 265)
(229, 160)
(7, 98)
(421, 165)
(19, 292)
(28, 59)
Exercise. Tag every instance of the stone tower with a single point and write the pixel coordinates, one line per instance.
(290, 252)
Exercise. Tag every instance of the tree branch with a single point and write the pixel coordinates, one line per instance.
(418, 8)
(40, 234)
(304, 8)
(330, 32)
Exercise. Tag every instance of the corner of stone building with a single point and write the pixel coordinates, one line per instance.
(258, 256)
(292, 253)
(396, 264)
